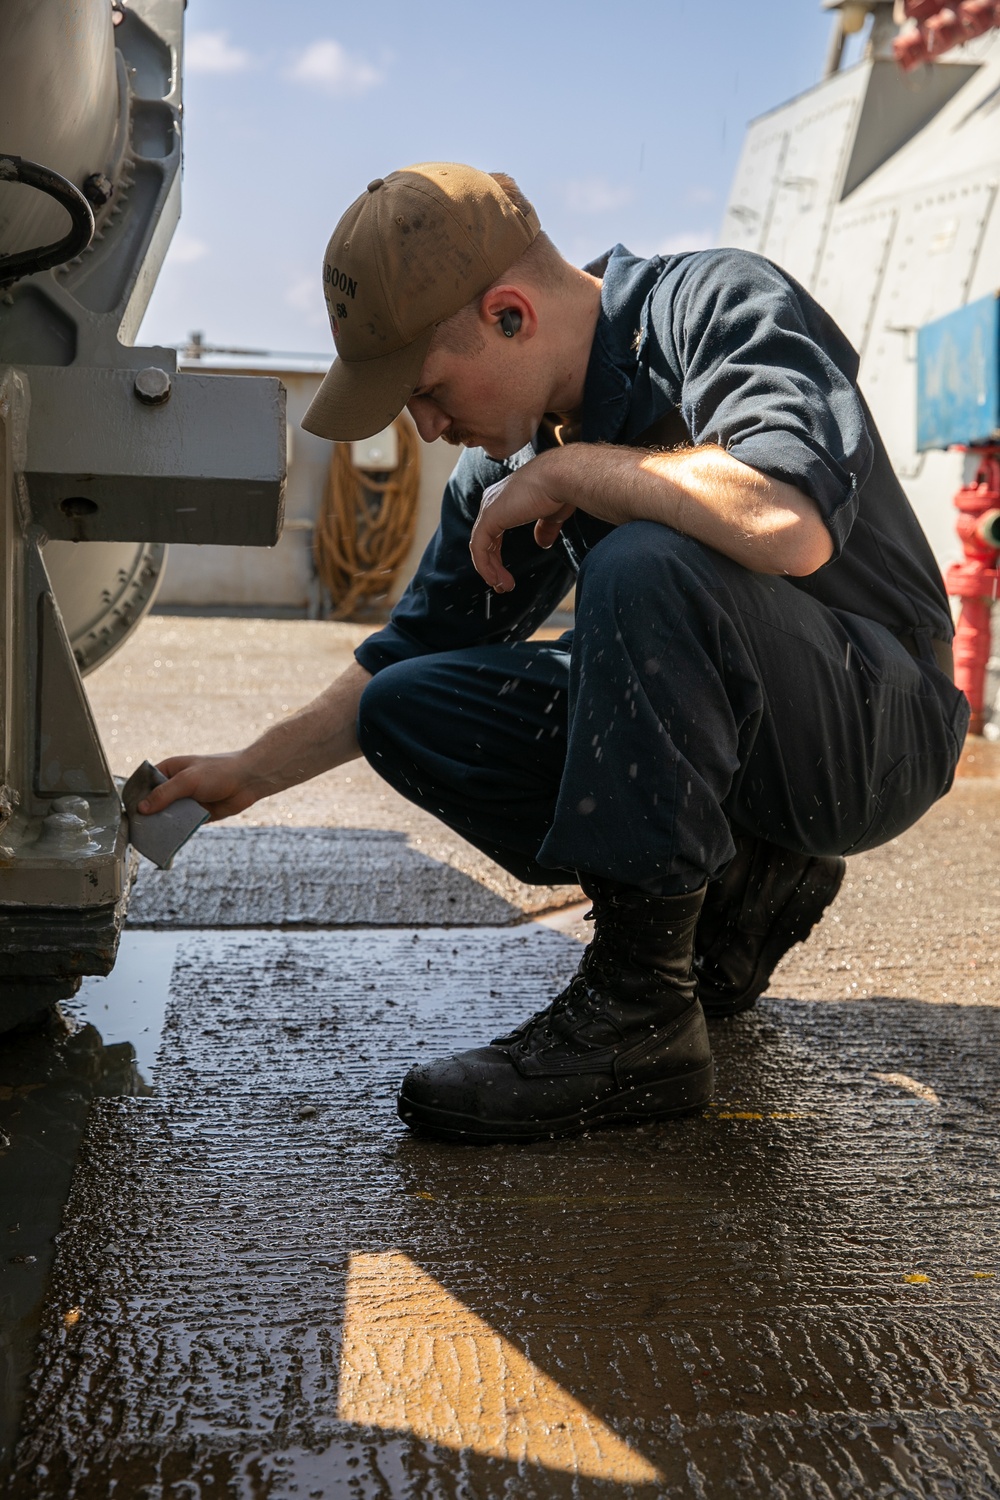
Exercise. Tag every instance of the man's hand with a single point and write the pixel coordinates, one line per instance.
(522, 497)
(221, 783)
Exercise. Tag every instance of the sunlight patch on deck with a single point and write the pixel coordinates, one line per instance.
(415, 1359)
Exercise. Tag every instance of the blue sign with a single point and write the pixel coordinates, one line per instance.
(958, 377)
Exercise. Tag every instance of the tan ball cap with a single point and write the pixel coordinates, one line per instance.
(411, 251)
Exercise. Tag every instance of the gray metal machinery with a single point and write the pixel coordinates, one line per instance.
(106, 452)
(877, 189)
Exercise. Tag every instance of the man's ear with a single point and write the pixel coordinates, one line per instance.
(507, 311)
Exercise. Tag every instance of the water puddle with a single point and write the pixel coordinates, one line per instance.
(129, 1004)
(104, 1043)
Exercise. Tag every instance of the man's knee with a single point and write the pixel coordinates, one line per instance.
(385, 708)
(645, 580)
(643, 557)
(414, 710)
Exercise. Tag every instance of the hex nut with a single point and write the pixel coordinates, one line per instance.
(152, 386)
(98, 189)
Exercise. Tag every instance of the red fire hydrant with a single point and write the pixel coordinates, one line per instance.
(974, 579)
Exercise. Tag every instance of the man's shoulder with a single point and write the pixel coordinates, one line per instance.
(689, 265)
(670, 295)
(726, 289)
(725, 268)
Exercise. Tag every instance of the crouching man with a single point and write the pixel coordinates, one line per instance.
(758, 681)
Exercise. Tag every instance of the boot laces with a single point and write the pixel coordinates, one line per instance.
(543, 1024)
(582, 997)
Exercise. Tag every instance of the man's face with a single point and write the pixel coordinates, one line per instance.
(482, 400)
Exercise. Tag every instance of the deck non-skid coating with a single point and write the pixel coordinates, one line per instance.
(266, 1287)
(328, 877)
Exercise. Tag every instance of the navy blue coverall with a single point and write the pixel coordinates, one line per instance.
(692, 695)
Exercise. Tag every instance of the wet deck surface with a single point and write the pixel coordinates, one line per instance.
(228, 1270)
(265, 1286)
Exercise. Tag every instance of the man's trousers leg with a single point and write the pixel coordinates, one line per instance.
(478, 738)
(695, 695)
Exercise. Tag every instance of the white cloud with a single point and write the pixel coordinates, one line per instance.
(595, 195)
(305, 295)
(672, 244)
(212, 52)
(686, 239)
(185, 249)
(330, 66)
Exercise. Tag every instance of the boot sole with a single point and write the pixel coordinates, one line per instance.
(683, 1094)
(814, 893)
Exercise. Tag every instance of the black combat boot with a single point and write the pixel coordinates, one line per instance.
(766, 900)
(625, 1041)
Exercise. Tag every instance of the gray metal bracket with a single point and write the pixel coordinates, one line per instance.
(100, 442)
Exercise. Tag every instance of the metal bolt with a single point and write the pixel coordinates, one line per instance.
(98, 189)
(152, 386)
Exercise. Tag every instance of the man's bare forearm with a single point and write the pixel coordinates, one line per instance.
(316, 738)
(762, 523)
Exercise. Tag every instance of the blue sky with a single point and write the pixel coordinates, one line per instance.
(621, 122)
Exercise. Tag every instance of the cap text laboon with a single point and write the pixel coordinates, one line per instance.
(339, 279)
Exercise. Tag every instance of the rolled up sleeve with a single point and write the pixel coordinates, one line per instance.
(759, 376)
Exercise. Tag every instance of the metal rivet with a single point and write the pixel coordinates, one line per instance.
(152, 386)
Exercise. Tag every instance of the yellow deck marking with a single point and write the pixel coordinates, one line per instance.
(415, 1359)
(911, 1085)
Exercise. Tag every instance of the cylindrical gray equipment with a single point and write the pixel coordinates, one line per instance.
(103, 589)
(60, 105)
(64, 104)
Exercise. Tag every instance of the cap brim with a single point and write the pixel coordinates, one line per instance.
(361, 397)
